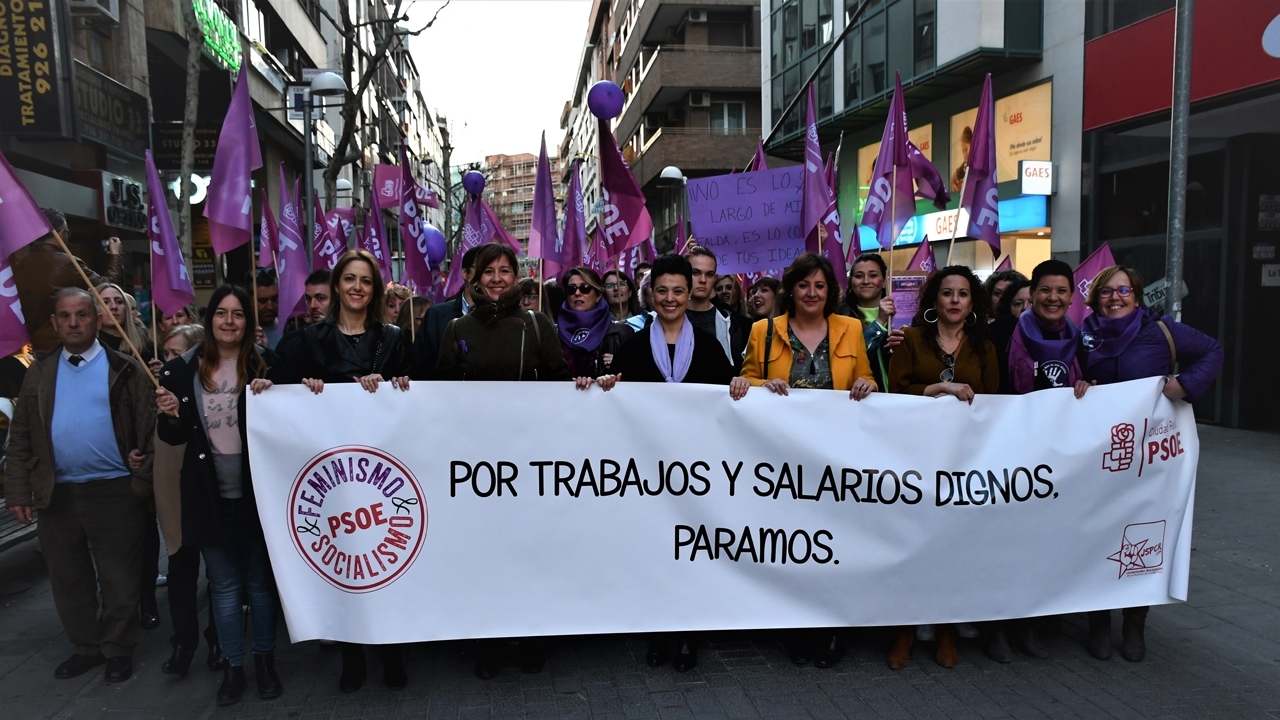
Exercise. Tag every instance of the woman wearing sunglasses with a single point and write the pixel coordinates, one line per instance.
(589, 336)
(944, 353)
(1126, 340)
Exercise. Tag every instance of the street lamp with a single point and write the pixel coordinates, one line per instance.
(324, 85)
(672, 177)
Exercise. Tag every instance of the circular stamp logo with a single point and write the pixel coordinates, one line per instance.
(580, 336)
(359, 517)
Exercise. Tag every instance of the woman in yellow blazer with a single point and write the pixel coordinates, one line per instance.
(808, 346)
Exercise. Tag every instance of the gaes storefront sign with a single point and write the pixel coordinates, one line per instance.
(221, 38)
(32, 99)
(109, 113)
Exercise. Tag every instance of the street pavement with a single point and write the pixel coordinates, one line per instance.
(1218, 655)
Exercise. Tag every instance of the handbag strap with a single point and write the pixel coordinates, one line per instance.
(1173, 350)
(768, 347)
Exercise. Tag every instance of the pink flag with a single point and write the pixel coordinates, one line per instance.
(229, 206)
(413, 239)
(269, 233)
(386, 189)
(328, 243)
(543, 240)
(833, 247)
(923, 260)
(1088, 270)
(374, 240)
(13, 326)
(759, 162)
(626, 219)
(1006, 264)
(170, 284)
(425, 196)
(981, 198)
(340, 229)
(291, 257)
(573, 241)
(891, 200)
(21, 221)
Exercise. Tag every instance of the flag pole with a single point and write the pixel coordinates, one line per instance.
(955, 227)
(97, 297)
(893, 222)
(155, 335)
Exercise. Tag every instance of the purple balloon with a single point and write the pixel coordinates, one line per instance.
(473, 182)
(605, 100)
(437, 248)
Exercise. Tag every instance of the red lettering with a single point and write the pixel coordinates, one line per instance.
(1153, 447)
(376, 508)
(334, 524)
(346, 520)
(363, 519)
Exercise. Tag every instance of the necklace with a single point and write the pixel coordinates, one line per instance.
(958, 340)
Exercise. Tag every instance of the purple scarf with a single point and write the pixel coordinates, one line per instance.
(661, 356)
(584, 330)
(1030, 354)
(1104, 338)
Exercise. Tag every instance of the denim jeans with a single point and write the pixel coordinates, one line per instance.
(239, 566)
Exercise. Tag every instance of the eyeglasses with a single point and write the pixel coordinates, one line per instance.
(531, 297)
(949, 373)
(578, 289)
(1122, 291)
(611, 286)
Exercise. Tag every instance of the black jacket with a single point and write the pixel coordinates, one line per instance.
(426, 345)
(199, 478)
(326, 354)
(709, 365)
(501, 341)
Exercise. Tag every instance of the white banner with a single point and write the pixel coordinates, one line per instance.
(466, 510)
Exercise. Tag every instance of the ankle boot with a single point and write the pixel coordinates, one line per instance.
(1099, 642)
(995, 643)
(1133, 643)
(233, 684)
(264, 666)
(353, 668)
(214, 659)
(1028, 642)
(686, 654)
(830, 651)
(947, 655)
(179, 662)
(900, 654)
(658, 650)
(393, 674)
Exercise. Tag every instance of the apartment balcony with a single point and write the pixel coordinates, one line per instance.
(696, 151)
(673, 70)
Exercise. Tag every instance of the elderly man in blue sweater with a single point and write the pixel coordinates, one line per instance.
(80, 455)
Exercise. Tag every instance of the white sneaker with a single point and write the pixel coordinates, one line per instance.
(924, 633)
(967, 631)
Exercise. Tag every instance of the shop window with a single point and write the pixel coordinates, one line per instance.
(925, 40)
(728, 118)
(1134, 202)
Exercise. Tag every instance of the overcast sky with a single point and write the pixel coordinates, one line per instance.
(499, 70)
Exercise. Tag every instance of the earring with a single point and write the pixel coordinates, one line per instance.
(926, 317)
(972, 319)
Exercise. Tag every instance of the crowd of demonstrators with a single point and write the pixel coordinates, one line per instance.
(184, 316)
(793, 335)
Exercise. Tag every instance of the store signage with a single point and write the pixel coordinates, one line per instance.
(309, 74)
(1024, 124)
(203, 276)
(1269, 212)
(1037, 177)
(109, 113)
(221, 38)
(167, 137)
(297, 97)
(1020, 213)
(1271, 276)
(124, 203)
(33, 98)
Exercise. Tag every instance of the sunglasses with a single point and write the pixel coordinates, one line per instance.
(578, 289)
(1122, 291)
(949, 373)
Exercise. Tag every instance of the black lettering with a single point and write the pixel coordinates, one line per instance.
(685, 542)
(845, 488)
(897, 488)
(609, 473)
(1048, 485)
(704, 484)
(906, 482)
(819, 545)
(565, 473)
(541, 465)
(507, 480)
(731, 474)
(725, 544)
(996, 486)
(454, 479)
(791, 547)
(768, 484)
(937, 498)
(1013, 484)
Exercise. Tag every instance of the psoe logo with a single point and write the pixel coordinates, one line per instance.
(1141, 549)
(359, 517)
(1120, 457)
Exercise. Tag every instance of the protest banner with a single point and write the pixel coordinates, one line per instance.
(750, 220)
(777, 512)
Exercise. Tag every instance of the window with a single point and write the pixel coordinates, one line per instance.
(99, 51)
(253, 22)
(808, 24)
(791, 34)
(925, 35)
(726, 34)
(728, 118)
(873, 55)
(826, 91)
(853, 68)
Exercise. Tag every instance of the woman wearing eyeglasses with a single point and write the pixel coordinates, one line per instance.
(620, 291)
(1126, 340)
(944, 353)
(589, 336)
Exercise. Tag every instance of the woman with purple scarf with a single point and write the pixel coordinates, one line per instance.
(1125, 340)
(589, 337)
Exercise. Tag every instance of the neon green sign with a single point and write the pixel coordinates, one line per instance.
(221, 38)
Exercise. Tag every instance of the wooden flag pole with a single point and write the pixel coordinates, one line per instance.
(955, 227)
(893, 221)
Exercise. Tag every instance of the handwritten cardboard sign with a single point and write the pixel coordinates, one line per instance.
(751, 221)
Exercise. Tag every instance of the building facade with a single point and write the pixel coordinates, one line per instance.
(509, 191)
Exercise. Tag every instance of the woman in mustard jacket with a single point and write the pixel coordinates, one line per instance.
(808, 346)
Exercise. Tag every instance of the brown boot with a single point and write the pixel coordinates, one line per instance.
(947, 655)
(900, 655)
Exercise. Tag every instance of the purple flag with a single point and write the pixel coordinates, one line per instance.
(170, 284)
(413, 240)
(480, 226)
(923, 260)
(598, 258)
(291, 257)
(1088, 270)
(759, 162)
(230, 203)
(425, 196)
(269, 233)
(815, 197)
(981, 199)
(374, 240)
(543, 240)
(21, 221)
(386, 189)
(13, 326)
(683, 241)
(573, 241)
(1006, 264)
(626, 219)
(339, 230)
(929, 184)
(329, 243)
(891, 201)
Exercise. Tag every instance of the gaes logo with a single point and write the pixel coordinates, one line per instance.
(1141, 549)
(359, 517)
(1120, 456)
